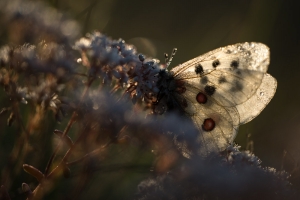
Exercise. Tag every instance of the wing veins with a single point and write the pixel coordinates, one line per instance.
(214, 111)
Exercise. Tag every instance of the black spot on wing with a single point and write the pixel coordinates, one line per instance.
(199, 69)
(209, 90)
(237, 86)
(216, 63)
(222, 79)
(234, 64)
(204, 80)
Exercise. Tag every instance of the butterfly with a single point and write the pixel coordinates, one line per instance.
(219, 91)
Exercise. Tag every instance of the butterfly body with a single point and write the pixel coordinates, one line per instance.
(219, 90)
(167, 99)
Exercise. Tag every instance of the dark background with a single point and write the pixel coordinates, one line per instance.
(195, 27)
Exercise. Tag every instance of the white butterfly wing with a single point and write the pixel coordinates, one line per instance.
(226, 120)
(251, 108)
(236, 71)
(230, 81)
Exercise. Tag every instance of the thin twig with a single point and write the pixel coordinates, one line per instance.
(89, 154)
(70, 123)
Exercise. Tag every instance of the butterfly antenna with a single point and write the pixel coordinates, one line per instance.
(168, 59)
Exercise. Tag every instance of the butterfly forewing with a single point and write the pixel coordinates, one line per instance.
(255, 54)
(235, 71)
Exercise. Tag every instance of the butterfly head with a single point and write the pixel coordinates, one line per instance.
(168, 97)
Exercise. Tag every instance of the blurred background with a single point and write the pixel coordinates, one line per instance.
(196, 27)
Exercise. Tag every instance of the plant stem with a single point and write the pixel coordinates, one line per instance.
(70, 123)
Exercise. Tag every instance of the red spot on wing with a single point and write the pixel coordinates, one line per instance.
(201, 98)
(208, 124)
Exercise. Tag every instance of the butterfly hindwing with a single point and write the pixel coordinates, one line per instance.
(226, 121)
(251, 108)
